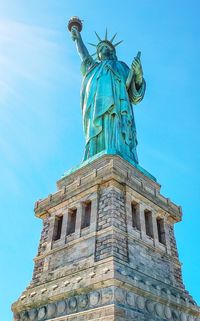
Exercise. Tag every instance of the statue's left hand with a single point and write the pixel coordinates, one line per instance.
(137, 67)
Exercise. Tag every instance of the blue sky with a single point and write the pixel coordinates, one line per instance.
(41, 129)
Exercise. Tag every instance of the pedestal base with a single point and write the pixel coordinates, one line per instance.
(122, 265)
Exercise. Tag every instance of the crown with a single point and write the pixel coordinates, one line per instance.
(105, 41)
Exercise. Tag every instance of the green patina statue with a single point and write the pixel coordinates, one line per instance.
(109, 89)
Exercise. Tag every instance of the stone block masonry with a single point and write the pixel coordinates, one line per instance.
(111, 213)
(107, 251)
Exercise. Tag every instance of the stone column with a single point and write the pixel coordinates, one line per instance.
(168, 248)
(78, 220)
(155, 228)
(141, 209)
(64, 226)
(129, 212)
(50, 233)
(93, 217)
(49, 242)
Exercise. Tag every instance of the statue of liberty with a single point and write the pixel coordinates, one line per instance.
(109, 88)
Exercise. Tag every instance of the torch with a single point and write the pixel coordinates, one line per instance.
(75, 22)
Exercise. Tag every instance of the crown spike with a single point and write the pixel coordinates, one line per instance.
(111, 40)
(98, 36)
(94, 55)
(106, 34)
(118, 43)
(92, 44)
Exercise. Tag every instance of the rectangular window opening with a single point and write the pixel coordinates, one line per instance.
(148, 223)
(57, 228)
(71, 222)
(161, 230)
(135, 215)
(86, 214)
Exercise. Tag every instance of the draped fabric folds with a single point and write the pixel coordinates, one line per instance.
(108, 118)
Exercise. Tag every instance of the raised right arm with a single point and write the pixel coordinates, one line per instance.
(81, 48)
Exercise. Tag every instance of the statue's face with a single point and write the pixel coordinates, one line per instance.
(106, 52)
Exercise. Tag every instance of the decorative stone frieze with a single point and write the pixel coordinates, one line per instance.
(99, 298)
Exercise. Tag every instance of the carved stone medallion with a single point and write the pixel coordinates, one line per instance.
(32, 314)
(168, 313)
(130, 299)
(61, 306)
(42, 313)
(159, 309)
(94, 298)
(183, 317)
(107, 295)
(51, 310)
(83, 300)
(140, 302)
(150, 306)
(120, 295)
(72, 303)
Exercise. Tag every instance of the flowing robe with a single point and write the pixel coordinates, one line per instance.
(108, 118)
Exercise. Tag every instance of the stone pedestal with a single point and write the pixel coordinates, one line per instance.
(122, 264)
